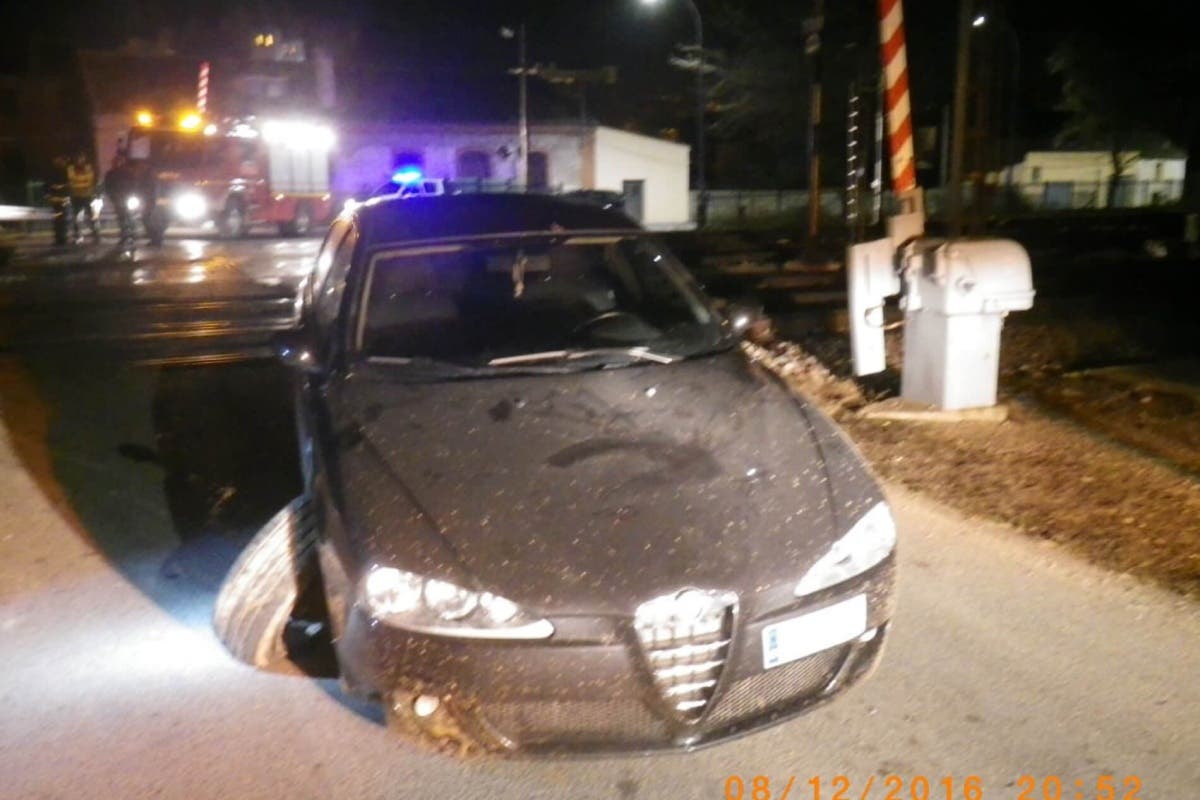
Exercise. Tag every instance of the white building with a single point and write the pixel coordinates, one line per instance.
(1061, 179)
(652, 174)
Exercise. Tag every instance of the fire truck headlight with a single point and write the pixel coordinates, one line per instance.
(191, 206)
(133, 202)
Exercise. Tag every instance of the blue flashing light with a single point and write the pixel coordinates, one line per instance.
(406, 175)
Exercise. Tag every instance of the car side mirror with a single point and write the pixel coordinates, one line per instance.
(296, 349)
(746, 317)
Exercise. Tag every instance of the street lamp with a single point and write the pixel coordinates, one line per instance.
(701, 187)
(1015, 41)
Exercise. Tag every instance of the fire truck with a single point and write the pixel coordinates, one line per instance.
(233, 175)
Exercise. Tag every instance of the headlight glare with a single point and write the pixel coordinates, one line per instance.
(869, 541)
(191, 206)
(429, 605)
(133, 202)
(448, 601)
(390, 591)
(499, 609)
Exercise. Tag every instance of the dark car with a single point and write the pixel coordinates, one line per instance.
(614, 201)
(558, 507)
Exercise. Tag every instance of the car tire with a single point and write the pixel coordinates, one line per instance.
(256, 599)
(233, 220)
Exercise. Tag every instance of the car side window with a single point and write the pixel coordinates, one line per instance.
(332, 285)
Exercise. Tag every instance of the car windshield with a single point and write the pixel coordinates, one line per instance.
(564, 303)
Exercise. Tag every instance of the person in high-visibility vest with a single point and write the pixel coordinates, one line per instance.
(81, 176)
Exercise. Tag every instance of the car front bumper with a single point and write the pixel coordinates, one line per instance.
(589, 688)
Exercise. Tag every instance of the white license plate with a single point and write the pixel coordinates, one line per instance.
(811, 633)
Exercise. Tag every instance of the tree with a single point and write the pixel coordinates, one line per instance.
(1134, 81)
(1104, 104)
(760, 98)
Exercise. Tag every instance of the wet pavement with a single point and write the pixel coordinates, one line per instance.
(192, 298)
(132, 472)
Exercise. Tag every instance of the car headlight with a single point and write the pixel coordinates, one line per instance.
(868, 542)
(428, 605)
(133, 202)
(191, 206)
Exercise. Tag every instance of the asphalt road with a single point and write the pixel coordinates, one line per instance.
(126, 491)
(193, 296)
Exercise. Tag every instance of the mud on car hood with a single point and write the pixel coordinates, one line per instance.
(588, 493)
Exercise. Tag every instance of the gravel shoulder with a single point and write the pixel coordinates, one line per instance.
(1105, 462)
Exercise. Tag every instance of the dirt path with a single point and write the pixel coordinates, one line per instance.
(1055, 480)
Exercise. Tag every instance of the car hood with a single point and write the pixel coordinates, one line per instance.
(591, 492)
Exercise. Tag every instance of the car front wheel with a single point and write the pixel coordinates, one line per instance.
(261, 590)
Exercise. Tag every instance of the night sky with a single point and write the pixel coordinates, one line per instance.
(461, 34)
(444, 58)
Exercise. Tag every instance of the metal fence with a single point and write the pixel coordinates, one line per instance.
(726, 206)
(1062, 195)
(733, 206)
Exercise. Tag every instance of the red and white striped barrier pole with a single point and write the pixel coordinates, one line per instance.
(897, 103)
(202, 89)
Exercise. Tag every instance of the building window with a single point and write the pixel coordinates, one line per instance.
(1158, 170)
(1036, 176)
(473, 165)
(539, 170)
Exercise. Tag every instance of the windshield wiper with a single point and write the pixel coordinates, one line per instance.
(635, 353)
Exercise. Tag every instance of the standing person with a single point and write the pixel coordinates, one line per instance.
(118, 184)
(81, 177)
(58, 192)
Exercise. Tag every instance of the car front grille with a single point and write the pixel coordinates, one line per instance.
(576, 722)
(780, 686)
(626, 723)
(685, 639)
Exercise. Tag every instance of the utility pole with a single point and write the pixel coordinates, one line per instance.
(701, 106)
(961, 82)
(523, 124)
(522, 73)
(812, 47)
(944, 160)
